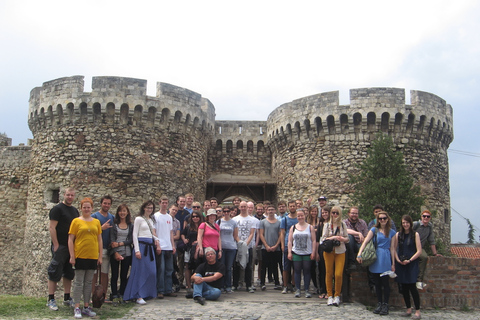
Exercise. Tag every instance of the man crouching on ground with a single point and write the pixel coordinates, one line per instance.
(207, 280)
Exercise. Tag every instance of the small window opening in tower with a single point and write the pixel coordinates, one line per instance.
(240, 130)
(219, 130)
(55, 196)
(261, 130)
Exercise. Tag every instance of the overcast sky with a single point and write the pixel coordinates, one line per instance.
(249, 57)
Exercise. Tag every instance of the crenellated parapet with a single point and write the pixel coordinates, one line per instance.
(118, 101)
(240, 136)
(427, 119)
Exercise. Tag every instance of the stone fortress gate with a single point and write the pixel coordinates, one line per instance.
(117, 140)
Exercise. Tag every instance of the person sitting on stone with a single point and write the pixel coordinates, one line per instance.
(207, 280)
(425, 229)
(357, 231)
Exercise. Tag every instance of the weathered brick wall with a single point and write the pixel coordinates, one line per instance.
(14, 170)
(451, 283)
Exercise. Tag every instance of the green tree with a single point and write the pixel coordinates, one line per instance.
(471, 232)
(383, 178)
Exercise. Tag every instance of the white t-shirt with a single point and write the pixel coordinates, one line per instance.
(244, 226)
(164, 227)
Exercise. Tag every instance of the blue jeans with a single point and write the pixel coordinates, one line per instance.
(352, 249)
(164, 272)
(228, 258)
(205, 290)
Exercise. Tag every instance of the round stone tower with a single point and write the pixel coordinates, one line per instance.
(114, 140)
(315, 144)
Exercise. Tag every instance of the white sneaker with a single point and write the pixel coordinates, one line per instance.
(330, 301)
(336, 301)
(141, 301)
(297, 293)
(421, 285)
(284, 291)
(77, 313)
(87, 311)
(52, 304)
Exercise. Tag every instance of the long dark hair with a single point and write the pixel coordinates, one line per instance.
(192, 225)
(142, 209)
(320, 217)
(128, 218)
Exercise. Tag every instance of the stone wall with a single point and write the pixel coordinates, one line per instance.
(316, 143)
(117, 140)
(451, 283)
(238, 149)
(114, 141)
(14, 170)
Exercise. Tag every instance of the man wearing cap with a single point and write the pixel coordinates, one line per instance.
(425, 230)
(322, 202)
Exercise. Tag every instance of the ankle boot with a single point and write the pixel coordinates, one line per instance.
(384, 309)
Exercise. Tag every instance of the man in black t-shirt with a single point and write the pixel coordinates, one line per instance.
(61, 217)
(207, 280)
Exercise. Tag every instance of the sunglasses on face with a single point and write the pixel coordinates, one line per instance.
(226, 210)
(195, 217)
(196, 207)
(425, 216)
(383, 218)
(335, 212)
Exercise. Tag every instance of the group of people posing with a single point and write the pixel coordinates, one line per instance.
(212, 249)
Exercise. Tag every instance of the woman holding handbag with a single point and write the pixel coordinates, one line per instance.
(321, 273)
(334, 232)
(189, 238)
(385, 259)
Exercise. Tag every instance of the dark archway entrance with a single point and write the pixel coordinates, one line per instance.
(258, 192)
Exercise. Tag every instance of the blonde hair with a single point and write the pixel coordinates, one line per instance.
(337, 219)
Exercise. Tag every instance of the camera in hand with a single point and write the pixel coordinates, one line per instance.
(403, 258)
(336, 243)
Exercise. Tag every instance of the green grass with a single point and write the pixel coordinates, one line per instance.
(21, 307)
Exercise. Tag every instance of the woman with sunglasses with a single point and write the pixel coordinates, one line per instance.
(335, 261)
(382, 234)
(321, 273)
(408, 247)
(229, 238)
(189, 237)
